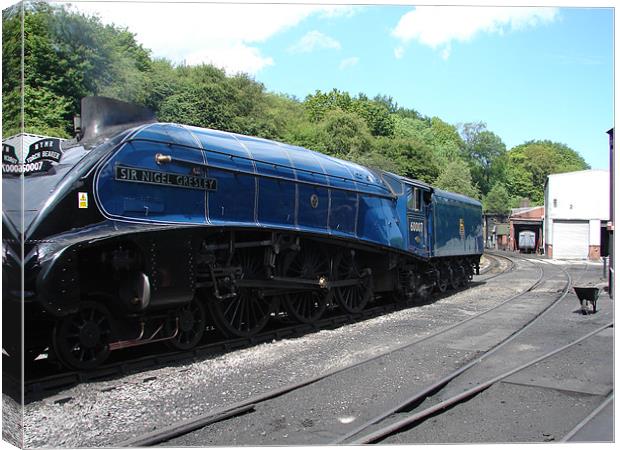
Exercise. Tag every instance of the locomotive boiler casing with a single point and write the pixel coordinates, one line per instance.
(180, 175)
(166, 176)
(134, 220)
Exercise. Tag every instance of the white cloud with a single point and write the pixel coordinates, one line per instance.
(438, 26)
(223, 34)
(314, 40)
(348, 62)
(399, 52)
(235, 58)
(445, 53)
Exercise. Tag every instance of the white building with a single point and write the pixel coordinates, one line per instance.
(576, 214)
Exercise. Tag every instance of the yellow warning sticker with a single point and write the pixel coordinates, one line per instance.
(82, 200)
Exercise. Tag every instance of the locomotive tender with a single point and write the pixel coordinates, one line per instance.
(146, 231)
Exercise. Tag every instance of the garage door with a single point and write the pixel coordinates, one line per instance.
(570, 239)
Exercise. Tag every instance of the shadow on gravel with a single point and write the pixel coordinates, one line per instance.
(45, 378)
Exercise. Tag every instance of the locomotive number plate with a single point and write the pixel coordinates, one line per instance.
(416, 226)
(134, 175)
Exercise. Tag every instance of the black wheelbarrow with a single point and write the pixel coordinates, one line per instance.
(587, 295)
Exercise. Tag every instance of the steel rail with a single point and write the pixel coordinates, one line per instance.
(65, 379)
(185, 427)
(503, 272)
(493, 263)
(169, 432)
(405, 422)
(446, 379)
(588, 418)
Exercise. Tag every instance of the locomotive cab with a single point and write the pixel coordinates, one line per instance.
(418, 208)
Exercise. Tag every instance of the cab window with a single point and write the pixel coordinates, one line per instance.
(413, 199)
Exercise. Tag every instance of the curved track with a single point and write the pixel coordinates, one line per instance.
(45, 378)
(419, 396)
(386, 426)
(395, 427)
(499, 265)
(252, 403)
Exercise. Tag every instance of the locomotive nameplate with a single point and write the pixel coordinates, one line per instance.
(135, 175)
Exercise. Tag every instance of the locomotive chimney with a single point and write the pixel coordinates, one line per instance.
(103, 117)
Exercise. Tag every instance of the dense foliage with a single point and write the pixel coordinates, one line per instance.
(68, 55)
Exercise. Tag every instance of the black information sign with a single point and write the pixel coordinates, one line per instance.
(41, 155)
(10, 162)
(135, 175)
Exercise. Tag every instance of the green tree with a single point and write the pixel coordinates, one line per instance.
(67, 55)
(529, 165)
(411, 158)
(375, 113)
(204, 96)
(45, 112)
(446, 140)
(377, 117)
(410, 128)
(483, 150)
(345, 134)
(497, 200)
(162, 82)
(375, 160)
(319, 103)
(456, 177)
(11, 71)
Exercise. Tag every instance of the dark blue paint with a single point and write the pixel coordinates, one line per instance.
(448, 210)
(262, 183)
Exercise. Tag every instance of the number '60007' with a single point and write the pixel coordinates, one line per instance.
(416, 226)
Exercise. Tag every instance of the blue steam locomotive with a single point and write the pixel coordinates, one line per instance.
(140, 232)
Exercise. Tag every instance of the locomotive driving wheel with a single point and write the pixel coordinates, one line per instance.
(453, 276)
(442, 280)
(462, 275)
(190, 320)
(457, 276)
(311, 264)
(354, 298)
(81, 340)
(247, 313)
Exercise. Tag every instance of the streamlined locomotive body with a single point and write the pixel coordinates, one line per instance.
(146, 232)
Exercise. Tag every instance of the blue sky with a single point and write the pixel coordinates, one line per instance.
(529, 73)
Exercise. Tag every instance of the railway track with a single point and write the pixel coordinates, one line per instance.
(397, 426)
(256, 402)
(40, 386)
(352, 436)
(582, 427)
(407, 414)
(496, 268)
(47, 379)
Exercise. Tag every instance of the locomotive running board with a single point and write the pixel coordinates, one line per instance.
(288, 283)
(298, 283)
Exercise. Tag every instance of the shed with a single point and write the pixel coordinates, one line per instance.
(576, 214)
(526, 219)
(502, 236)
